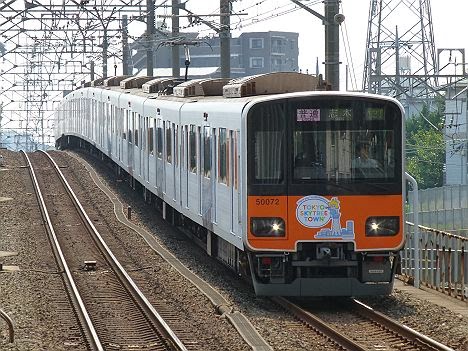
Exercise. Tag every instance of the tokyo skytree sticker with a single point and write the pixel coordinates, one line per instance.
(317, 211)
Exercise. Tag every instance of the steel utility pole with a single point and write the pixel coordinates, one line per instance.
(331, 21)
(125, 50)
(175, 34)
(105, 45)
(225, 38)
(150, 37)
(332, 43)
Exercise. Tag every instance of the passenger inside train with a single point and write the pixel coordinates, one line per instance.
(363, 164)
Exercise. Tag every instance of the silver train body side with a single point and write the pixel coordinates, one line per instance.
(99, 116)
(192, 154)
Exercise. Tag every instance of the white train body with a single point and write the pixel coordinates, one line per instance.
(230, 165)
(112, 114)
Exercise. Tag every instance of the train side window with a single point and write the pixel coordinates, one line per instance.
(130, 127)
(159, 136)
(136, 120)
(110, 116)
(207, 152)
(124, 133)
(228, 157)
(183, 143)
(222, 161)
(169, 143)
(114, 120)
(150, 136)
(193, 149)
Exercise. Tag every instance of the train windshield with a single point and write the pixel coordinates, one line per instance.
(342, 154)
(332, 141)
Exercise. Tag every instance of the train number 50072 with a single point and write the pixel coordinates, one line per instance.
(267, 202)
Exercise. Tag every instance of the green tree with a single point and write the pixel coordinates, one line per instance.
(425, 146)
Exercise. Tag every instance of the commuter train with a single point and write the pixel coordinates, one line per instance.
(297, 188)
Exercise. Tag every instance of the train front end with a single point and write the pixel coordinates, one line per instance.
(325, 194)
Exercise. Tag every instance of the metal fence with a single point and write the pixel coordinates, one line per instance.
(440, 261)
(444, 208)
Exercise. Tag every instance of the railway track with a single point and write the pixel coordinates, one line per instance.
(113, 313)
(357, 327)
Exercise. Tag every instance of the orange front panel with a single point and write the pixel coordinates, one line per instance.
(325, 218)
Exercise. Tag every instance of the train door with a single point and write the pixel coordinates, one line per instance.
(159, 156)
(214, 174)
(200, 172)
(175, 158)
(167, 148)
(109, 129)
(131, 137)
(136, 144)
(191, 162)
(149, 146)
(121, 132)
(182, 165)
(141, 146)
(233, 162)
(206, 175)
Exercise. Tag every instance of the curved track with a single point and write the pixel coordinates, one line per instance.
(112, 311)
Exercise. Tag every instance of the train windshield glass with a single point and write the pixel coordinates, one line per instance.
(342, 154)
(344, 140)
(331, 141)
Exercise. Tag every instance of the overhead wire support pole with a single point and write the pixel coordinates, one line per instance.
(331, 21)
(175, 34)
(150, 37)
(332, 43)
(224, 32)
(225, 38)
(125, 49)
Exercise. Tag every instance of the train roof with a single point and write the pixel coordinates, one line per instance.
(257, 87)
(225, 88)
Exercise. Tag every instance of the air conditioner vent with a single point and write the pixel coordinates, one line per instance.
(160, 85)
(114, 81)
(273, 83)
(201, 87)
(134, 82)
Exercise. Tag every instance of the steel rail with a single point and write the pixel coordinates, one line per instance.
(80, 308)
(408, 333)
(123, 276)
(319, 325)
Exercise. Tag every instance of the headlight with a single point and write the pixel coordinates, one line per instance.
(382, 226)
(267, 226)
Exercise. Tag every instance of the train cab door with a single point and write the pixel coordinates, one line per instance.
(164, 136)
(233, 179)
